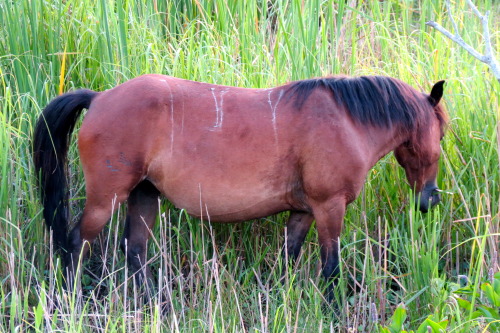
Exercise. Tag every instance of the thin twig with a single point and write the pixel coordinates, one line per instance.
(453, 22)
(474, 8)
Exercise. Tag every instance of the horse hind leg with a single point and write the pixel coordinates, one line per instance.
(96, 214)
(141, 217)
(105, 193)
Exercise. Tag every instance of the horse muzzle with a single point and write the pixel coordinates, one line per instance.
(429, 197)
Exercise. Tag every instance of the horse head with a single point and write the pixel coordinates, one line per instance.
(419, 155)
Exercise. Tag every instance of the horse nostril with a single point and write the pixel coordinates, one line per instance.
(435, 197)
(429, 197)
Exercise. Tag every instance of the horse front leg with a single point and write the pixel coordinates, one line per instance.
(297, 227)
(329, 217)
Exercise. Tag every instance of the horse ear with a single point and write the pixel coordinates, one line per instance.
(436, 93)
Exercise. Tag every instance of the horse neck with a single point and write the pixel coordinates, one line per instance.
(381, 141)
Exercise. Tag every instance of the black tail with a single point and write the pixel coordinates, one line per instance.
(50, 148)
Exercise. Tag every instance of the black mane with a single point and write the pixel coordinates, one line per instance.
(375, 100)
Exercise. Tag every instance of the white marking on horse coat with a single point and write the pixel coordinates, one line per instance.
(182, 93)
(171, 116)
(274, 109)
(219, 107)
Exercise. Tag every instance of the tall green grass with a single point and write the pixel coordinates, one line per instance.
(226, 278)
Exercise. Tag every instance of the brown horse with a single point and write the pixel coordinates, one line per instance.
(233, 154)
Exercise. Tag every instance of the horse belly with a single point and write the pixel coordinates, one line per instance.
(221, 203)
(229, 192)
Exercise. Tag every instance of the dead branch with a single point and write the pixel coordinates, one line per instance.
(489, 55)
